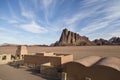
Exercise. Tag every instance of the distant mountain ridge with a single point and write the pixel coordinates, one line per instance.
(112, 41)
(69, 38)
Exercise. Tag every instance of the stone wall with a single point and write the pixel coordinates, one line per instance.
(50, 72)
(5, 58)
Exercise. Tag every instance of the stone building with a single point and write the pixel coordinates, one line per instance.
(107, 68)
(49, 64)
(92, 68)
(77, 69)
(21, 51)
(5, 58)
(54, 59)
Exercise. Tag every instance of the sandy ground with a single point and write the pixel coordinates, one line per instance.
(10, 73)
(8, 49)
(77, 51)
(81, 51)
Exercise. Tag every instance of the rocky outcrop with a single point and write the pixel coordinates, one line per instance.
(112, 41)
(69, 38)
(115, 41)
(101, 42)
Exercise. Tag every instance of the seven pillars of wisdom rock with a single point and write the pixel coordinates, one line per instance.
(21, 51)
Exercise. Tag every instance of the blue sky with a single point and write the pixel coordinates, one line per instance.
(42, 21)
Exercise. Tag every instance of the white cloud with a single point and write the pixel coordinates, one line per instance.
(7, 31)
(89, 2)
(13, 21)
(25, 11)
(115, 33)
(73, 20)
(47, 3)
(7, 35)
(111, 13)
(33, 27)
(48, 6)
(27, 14)
(107, 35)
(94, 26)
(8, 39)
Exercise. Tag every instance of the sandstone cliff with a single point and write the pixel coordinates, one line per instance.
(69, 38)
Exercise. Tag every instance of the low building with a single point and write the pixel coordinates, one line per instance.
(49, 63)
(52, 58)
(21, 51)
(5, 58)
(92, 68)
(77, 69)
(107, 68)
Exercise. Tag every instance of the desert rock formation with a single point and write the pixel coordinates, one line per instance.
(112, 41)
(101, 42)
(69, 38)
(115, 41)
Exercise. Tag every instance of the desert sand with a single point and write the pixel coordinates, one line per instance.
(10, 73)
(77, 51)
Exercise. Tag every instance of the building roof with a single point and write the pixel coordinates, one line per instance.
(88, 61)
(112, 62)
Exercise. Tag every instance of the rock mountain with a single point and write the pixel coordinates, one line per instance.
(112, 41)
(69, 38)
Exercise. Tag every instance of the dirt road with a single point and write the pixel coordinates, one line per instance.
(10, 73)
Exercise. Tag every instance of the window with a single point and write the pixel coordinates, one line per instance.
(12, 57)
(4, 58)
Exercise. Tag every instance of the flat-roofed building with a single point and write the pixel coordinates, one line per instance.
(54, 59)
(5, 58)
(21, 51)
(48, 63)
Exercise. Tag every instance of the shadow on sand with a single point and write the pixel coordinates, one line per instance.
(37, 73)
(31, 70)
